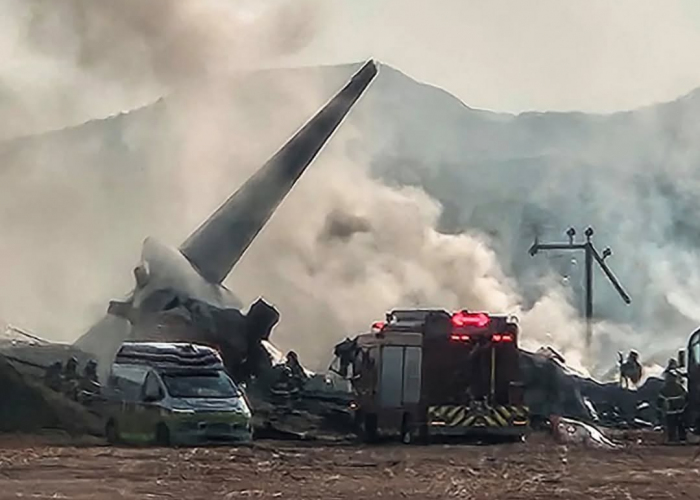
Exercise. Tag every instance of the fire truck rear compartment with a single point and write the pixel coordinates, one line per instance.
(473, 388)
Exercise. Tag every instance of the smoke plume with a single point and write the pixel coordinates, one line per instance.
(69, 61)
(345, 247)
(76, 204)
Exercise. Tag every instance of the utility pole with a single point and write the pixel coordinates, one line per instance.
(591, 254)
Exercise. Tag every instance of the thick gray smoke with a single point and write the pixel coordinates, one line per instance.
(345, 247)
(76, 205)
(631, 175)
(366, 248)
(69, 61)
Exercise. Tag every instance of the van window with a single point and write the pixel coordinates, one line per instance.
(127, 381)
(151, 386)
(200, 385)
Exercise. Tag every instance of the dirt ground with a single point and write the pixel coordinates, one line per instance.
(538, 469)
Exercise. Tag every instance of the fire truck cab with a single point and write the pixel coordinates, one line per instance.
(430, 372)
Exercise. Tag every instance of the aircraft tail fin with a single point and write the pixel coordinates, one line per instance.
(219, 243)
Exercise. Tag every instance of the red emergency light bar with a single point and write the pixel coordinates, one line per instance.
(463, 318)
(378, 325)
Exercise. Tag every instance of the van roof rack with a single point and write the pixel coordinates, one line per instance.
(169, 355)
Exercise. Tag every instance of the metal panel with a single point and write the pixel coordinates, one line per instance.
(391, 381)
(412, 375)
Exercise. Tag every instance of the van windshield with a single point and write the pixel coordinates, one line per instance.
(200, 385)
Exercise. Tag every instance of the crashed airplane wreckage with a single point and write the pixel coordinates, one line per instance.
(179, 295)
(552, 388)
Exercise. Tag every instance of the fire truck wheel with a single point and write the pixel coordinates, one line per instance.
(406, 429)
(696, 427)
(369, 428)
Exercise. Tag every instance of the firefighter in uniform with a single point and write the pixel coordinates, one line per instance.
(299, 376)
(283, 386)
(672, 403)
(630, 369)
(89, 384)
(70, 378)
(53, 376)
(671, 366)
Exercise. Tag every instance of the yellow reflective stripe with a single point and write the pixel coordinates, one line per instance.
(452, 414)
(497, 416)
(458, 416)
(505, 412)
(490, 421)
(462, 416)
(434, 411)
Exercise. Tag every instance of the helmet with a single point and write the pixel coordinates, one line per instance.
(633, 354)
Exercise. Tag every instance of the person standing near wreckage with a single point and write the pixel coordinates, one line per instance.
(672, 402)
(70, 378)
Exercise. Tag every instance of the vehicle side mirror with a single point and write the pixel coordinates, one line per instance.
(681, 358)
(151, 396)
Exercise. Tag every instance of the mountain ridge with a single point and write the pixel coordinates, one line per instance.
(691, 95)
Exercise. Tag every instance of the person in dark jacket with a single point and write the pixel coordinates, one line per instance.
(53, 377)
(630, 370)
(71, 378)
(89, 382)
(672, 402)
(299, 376)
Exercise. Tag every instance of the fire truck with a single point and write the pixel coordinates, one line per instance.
(429, 373)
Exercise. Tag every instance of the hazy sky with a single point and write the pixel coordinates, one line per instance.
(514, 55)
(60, 66)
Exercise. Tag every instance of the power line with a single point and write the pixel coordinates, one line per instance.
(591, 254)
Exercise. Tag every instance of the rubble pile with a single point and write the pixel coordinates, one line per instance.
(551, 388)
(304, 419)
(27, 406)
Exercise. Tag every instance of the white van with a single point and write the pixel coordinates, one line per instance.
(174, 394)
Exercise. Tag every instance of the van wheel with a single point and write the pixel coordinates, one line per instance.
(369, 428)
(112, 432)
(162, 435)
(406, 434)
